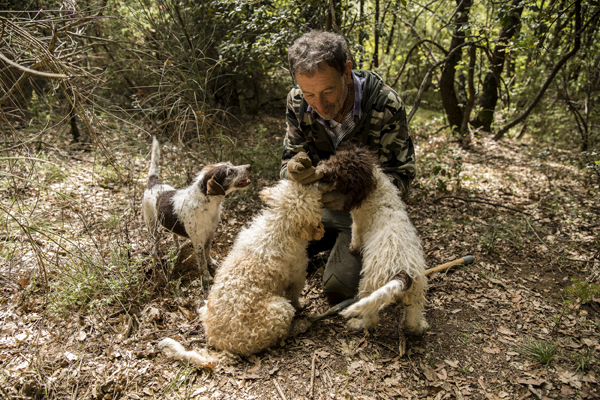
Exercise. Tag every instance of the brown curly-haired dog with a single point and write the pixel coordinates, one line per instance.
(393, 260)
(351, 171)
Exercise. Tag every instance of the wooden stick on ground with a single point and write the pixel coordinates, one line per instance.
(465, 260)
(346, 303)
(312, 376)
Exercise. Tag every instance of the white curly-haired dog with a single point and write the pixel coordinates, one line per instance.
(193, 212)
(392, 256)
(253, 301)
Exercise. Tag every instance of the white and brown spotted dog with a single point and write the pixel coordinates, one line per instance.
(193, 212)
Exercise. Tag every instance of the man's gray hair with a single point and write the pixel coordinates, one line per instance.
(315, 47)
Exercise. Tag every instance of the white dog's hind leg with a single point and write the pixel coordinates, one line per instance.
(414, 319)
(203, 357)
(153, 228)
(382, 296)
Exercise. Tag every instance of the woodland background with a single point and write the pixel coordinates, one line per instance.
(502, 99)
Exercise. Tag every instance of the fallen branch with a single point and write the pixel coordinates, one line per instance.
(279, 390)
(479, 201)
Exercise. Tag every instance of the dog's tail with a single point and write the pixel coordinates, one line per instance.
(203, 357)
(371, 304)
(155, 158)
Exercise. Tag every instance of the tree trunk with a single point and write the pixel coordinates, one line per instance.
(375, 62)
(447, 91)
(557, 67)
(511, 24)
(464, 130)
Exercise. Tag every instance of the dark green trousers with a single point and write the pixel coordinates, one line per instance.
(342, 270)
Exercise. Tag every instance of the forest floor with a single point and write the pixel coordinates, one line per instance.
(504, 327)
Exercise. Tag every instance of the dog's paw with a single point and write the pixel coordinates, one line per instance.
(298, 304)
(351, 311)
(417, 328)
(354, 249)
(299, 326)
(206, 277)
(356, 324)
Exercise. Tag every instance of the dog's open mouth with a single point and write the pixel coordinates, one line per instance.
(243, 183)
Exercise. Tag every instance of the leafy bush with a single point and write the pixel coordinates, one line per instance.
(585, 291)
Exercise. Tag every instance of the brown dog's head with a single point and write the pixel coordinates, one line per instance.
(351, 170)
(223, 178)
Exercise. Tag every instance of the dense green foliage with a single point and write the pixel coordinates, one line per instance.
(188, 67)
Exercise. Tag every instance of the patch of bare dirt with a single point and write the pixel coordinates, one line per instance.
(481, 315)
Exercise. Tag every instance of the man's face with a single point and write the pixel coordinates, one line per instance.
(326, 90)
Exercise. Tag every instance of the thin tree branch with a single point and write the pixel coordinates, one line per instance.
(557, 67)
(414, 46)
(428, 75)
(31, 71)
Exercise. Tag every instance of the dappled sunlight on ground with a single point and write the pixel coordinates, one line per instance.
(528, 215)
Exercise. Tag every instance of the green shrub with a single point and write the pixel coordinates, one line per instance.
(583, 290)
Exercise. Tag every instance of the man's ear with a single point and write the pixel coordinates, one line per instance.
(213, 188)
(347, 73)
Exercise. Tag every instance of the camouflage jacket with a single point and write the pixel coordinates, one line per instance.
(382, 128)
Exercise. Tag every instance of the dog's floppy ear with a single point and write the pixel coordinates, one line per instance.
(313, 230)
(213, 188)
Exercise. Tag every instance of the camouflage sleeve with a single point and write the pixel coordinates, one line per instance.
(396, 150)
(294, 141)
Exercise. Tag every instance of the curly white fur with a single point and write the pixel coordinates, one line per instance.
(256, 291)
(389, 243)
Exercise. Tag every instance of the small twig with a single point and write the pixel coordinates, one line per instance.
(312, 376)
(526, 395)
(534, 392)
(441, 129)
(279, 390)
(479, 201)
(30, 70)
(557, 324)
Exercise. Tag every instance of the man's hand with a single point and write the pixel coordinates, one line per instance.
(333, 200)
(300, 169)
